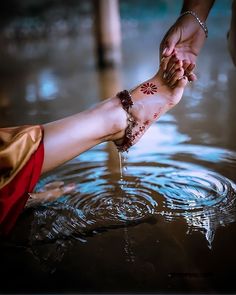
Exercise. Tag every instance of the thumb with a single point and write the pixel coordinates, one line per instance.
(169, 43)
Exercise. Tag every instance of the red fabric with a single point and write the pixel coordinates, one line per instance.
(14, 195)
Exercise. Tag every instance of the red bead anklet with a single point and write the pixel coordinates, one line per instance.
(127, 103)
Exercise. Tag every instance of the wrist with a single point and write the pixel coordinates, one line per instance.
(200, 7)
(193, 17)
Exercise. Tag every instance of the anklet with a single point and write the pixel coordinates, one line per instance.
(127, 103)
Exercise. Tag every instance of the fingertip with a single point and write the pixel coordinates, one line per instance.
(193, 66)
(192, 77)
(168, 49)
(164, 51)
(180, 63)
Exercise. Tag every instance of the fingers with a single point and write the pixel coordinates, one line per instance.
(170, 64)
(178, 65)
(168, 50)
(169, 42)
(189, 69)
(189, 72)
(163, 64)
(178, 74)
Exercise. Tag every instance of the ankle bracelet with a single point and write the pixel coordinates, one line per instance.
(202, 24)
(127, 103)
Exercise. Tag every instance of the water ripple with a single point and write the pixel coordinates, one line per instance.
(153, 185)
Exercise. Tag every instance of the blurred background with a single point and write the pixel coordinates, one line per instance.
(49, 59)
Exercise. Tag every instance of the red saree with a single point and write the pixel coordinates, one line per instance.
(21, 159)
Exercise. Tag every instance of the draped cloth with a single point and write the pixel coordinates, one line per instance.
(21, 160)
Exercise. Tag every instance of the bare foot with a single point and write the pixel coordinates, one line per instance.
(152, 99)
(50, 192)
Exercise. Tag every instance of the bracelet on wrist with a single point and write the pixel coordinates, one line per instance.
(201, 23)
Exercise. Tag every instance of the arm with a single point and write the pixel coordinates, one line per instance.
(202, 8)
(186, 37)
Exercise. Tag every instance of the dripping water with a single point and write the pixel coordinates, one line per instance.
(121, 167)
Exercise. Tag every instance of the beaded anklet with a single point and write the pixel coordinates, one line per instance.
(127, 103)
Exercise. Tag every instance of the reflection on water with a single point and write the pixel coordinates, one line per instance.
(45, 88)
(159, 180)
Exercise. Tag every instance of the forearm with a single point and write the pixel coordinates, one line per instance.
(200, 7)
(66, 138)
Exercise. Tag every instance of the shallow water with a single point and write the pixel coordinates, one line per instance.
(165, 182)
(167, 224)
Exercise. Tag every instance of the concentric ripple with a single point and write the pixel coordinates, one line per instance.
(118, 202)
(154, 185)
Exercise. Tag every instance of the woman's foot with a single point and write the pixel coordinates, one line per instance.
(153, 98)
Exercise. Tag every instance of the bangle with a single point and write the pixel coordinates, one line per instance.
(127, 103)
(202, 24)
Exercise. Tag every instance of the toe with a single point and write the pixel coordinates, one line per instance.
(181, 83)
(192, 77)
(178, 89)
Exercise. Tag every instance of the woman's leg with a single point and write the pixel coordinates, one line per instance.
(64, 139)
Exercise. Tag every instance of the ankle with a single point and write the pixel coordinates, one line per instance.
(115, 119)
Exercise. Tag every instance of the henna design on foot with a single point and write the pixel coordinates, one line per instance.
(156, 115)
(148, 88)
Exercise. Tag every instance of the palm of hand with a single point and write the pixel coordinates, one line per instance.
(189, 46)
(185, 51)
